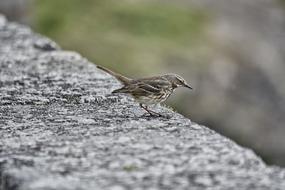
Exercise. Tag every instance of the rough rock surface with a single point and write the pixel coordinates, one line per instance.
(242, 85)
(61, 129)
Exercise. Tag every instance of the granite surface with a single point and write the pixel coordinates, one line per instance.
(60, 128)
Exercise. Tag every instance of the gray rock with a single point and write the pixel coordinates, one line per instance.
(60, 128)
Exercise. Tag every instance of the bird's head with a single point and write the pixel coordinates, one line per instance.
(178, 81)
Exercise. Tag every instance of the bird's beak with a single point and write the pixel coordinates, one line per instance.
(188, 86)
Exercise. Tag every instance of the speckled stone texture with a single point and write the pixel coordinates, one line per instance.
(60, 128)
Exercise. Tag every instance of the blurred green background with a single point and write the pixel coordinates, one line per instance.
(231, 52)
(134, 37)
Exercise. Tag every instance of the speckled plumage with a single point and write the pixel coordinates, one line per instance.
(148, 91)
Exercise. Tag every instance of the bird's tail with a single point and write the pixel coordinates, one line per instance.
(124, 80)
(124, 89)
(120, 90)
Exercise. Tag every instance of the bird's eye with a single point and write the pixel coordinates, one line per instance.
(180, 80)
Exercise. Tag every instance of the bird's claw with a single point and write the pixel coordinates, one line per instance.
(152, 115)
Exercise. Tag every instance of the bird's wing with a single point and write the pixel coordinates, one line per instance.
(138, 89)
(147, 88)
(157, 82)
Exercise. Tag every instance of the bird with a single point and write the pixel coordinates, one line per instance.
(148, 91)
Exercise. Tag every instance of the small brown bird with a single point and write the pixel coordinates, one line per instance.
(148, 91)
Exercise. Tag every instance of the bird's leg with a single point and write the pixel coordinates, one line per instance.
(151, 113)
(145, 108)
(154, 113)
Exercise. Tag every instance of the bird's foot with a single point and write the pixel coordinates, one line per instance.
(151, 114)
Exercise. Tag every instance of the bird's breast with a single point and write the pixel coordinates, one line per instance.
(153, 98)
